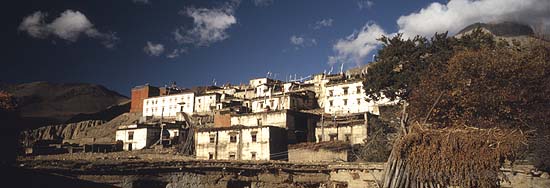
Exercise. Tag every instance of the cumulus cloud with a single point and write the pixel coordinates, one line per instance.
(176, 53)
(323, 23)
(262, 3)
(357, 46)
(452, 17)
(457, 14)
(300, 41)
(69, 26)
(153, 49)
(364, 4)
(209, 25)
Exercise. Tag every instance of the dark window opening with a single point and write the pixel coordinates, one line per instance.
(253, 155)
(210, 156)
(345, 90)
(233, 138)
(333, 137)
(131, 135)
(253, 137)
(348, 137)
(212, 138)
(231, 155)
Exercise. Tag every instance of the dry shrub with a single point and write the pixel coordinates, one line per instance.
(466, 157)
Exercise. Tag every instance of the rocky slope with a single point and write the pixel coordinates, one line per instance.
(50, 103)
(97, 131)
(58, 132)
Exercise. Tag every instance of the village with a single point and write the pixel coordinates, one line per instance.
(257, 121)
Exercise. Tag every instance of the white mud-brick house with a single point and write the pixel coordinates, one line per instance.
(354, 134)
(299, 100)
(241, 143)
(260, 81)
(169, 105)
(346, 97)
(350, 128)
(136, 137)
(206, 103)
(300, 126)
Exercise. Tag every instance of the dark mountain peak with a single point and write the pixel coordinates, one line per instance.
(61, 101)
(502, 29)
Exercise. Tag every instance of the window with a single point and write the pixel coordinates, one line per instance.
(330, 93)
(345, 102)
(320, 138)
(131, 135)
(253, 155)
(212, 138)
(358, 101)
(233, 138)
(231, 155)
(358, 89)
(333, 137)
(345, 90)
(210, 156)
(348, 137)
(330, 103)
(254, 137)
(259, 121)
(271, 103)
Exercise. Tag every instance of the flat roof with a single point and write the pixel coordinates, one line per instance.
(235, 127)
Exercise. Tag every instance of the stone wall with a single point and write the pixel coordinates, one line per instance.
(320, 155)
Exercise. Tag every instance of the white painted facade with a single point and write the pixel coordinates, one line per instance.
(349, 97)
(206, 103)
(259, 81)
(280, 102)
(355, 134)
(136, 137)
(249, 143)
(169, 105)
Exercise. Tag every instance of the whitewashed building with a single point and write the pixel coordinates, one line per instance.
(169, 105)
(299, 126)
(354, 134)
(283, 101)
(206, 103)
(347, 97)
(136, 137)
(241, 143)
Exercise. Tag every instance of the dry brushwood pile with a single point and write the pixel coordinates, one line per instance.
(465, 157)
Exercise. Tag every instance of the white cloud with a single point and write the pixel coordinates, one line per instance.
(70, 25)
(357, 46)
(153, 49)
(452, 17)
(300, 41)
(262, 3)
(209, 25)
(364, 4)
(141, 1)
(323, 23)
(176, 53)
(457, 14)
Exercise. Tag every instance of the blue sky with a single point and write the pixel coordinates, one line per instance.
(124, 43)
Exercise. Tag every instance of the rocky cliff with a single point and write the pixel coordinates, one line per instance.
(97, 131)
(58, 132)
